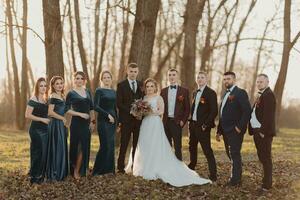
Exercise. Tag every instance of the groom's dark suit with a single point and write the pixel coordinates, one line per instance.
(264, 112)
(235, 113)
(200, 127)
(125, 97)
(181, 113)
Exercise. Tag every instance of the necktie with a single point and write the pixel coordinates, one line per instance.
(173, 87)
(133, 86)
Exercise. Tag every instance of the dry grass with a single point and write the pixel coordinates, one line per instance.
(14, 161)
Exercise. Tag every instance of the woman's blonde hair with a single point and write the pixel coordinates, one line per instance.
(151, 80)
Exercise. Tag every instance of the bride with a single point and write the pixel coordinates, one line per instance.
(154, 158)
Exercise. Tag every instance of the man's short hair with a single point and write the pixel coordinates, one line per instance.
(229, 73)
(202, 72)
(132, 65)
(263, 75)
(173, 70)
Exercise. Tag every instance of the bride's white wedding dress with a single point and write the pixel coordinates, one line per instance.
(154, 158)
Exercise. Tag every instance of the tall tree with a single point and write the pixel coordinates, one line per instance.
(24, 81)
(239, 33)
(14, 61)
(287, 46)
(53, 38)
(143, 35)
(74, 67)
(193, 14)
(80, 43)
(125, 20)
(99, 68)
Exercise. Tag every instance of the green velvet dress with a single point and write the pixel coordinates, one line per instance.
(57, 167)
(38, 132)
(80, 134)
(104, 104)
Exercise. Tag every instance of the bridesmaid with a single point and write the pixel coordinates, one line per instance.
(79, 104)
(105, 105)
(57, 159)
(37, 111)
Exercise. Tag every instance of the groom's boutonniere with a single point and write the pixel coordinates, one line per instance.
(231, 98)
(202, 100)
(180, 98)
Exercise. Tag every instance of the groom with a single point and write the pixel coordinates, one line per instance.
(127, 92)
(234, 116)
(177, 108)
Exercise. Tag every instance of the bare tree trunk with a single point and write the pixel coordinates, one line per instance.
(121, 74)
(287, 46)
(228, 36)
(99, 68)
(239, 33)
(143, 35)
(24, 81)
(72, 37)
(14, 63)
(9, 79)
(206, 52)
(80, 43)
(193, 14)
(53, 38)
(257, 66)
(97, 19)
(162, 64)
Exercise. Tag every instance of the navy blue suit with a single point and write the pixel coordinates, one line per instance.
(236, 113)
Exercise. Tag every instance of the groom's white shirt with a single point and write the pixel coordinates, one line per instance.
(172, 100)
(197, 100)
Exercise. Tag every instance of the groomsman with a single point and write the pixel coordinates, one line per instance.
(262, 127)
(127, 92)
(177, 109)
(234, 116)
(203, 113)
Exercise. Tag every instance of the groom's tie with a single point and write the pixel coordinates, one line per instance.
(133, 86)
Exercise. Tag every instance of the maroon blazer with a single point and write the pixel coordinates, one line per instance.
(182, 105)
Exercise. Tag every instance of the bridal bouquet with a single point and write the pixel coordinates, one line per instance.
(140, 108)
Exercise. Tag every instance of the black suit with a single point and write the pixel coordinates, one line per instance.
(265, 113)
(236, 113)
(206, 113)
(129, 124)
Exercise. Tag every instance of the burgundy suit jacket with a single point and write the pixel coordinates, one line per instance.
(182, 105)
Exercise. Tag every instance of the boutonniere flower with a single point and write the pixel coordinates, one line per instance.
(231, 98)
(180, 98)
(202, 100)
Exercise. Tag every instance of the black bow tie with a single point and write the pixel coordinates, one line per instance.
(199, 90)
(228, 90)
(260, 93)
(173, 87)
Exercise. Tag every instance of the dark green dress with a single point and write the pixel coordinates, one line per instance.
(38, 132)
(80, 134)
(104, 104)
(57, 160)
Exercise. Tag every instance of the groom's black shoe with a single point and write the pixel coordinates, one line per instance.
(233, 183)
(213, 178)
(191, 167)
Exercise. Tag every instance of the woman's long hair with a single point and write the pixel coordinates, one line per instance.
(37, 87)
(52, 82)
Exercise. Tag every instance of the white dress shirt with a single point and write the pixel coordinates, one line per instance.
(254, 121)
(225, 98)
(172, 93)
(197, 100)
(130, 84)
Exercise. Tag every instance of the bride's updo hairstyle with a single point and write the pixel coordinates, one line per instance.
(151, 80)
